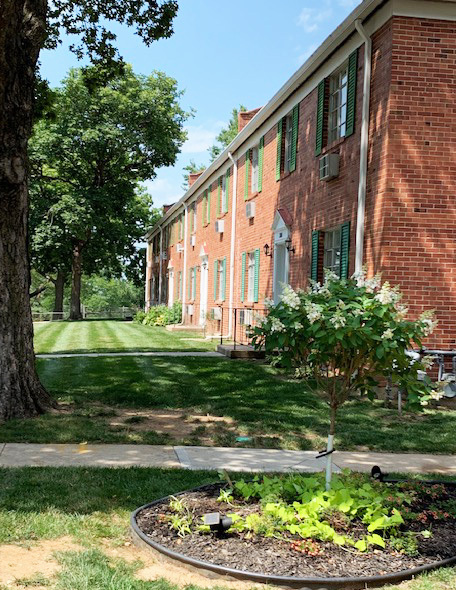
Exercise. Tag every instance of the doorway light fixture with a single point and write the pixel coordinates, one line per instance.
(267, 250)
(289, 247)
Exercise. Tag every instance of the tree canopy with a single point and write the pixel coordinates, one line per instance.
(106, 135)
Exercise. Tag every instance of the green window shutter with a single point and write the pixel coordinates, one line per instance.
(223, 294)
(320, 117)
(189, 289)
(219, 187)
(215, 279)
(194, 282)
(279, 150)
(227, 189)
(257, 275)
(260, 164)
(209, 204)
(294, 138)
(351, 92)
(314, 259)
(204, 220)
(246, 179)
(243, 276)
(344, 249)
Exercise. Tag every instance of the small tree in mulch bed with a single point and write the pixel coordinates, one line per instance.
(347, 336)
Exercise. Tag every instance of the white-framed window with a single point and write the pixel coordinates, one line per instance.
(338, 86)
(254, 169)
(220, 280)
(332, 247)
(251, 277)
(224, 195)
(192, 283)
(288, 140)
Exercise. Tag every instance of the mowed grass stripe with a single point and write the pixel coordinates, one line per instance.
(45, 337)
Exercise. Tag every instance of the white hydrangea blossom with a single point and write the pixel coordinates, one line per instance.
(428, 323)
(372, 284)
(338, 321)
(330, 276)
(386, 294)
(427, 361)
(340, 304)
(313, 312)
(277, 325)
(290, 297)
(388, 334)
(360, 278)
(268, 302)
(437, 394)
(357, 312)
(401, 311)
(298, 326)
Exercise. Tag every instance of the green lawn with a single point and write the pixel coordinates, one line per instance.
(113, 336)
(98, 393)
(92, 506)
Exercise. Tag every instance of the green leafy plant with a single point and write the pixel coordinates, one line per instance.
(347, 336)
(160, 315)
(182, 519)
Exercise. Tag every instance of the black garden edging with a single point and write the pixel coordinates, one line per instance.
(211, 570)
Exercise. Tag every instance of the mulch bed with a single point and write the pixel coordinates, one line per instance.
(275, 557)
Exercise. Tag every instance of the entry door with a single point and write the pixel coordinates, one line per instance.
(280, 270)
(171, 288)
(204, 289)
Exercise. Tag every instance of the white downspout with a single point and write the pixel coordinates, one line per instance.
(184, 276)
(160, 267)
(232, 246)
(364, 143)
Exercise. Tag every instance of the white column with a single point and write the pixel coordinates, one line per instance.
(184, 275)
(160, 268)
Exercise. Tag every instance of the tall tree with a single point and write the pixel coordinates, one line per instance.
(25, 27)
(227, 134)
(108, 134)
(191, 168)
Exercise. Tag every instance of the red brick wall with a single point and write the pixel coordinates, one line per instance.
(420, 227)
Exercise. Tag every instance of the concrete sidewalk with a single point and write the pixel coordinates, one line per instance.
(213, 458)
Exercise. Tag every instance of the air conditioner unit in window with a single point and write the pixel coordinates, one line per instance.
(179, 248)
(329, 166)
(250, 209)
(190, 310)
(164, 256)
(220, 226)
(216, 313)
(193, 241)
(245, 317)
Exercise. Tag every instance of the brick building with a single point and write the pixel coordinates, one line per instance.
(351, 163)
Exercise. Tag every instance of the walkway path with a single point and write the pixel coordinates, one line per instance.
(130, 353)
(216, 458)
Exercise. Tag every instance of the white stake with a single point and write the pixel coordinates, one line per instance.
(329, 448)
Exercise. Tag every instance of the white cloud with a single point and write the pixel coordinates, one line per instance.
(310, 19)
(163, 190)
(200, 138)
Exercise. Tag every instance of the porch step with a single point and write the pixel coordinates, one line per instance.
(242, 351)
(184, 328)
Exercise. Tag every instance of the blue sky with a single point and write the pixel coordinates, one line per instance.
(222, 54)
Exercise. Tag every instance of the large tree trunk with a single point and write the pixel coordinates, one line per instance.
(76, 273)
(59, 285)
(21, 33)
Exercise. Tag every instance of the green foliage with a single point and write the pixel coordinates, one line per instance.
(90, 22)
(347, 335)
(108, 134)
(161, 315)
(301, 506)
(182, 518)
(100, 293)
(226, 135)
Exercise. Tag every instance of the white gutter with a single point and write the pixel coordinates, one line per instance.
(232, 245)
(184, 275)
(160, 267)
(364, 145)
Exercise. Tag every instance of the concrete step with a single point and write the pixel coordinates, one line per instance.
(240, 351)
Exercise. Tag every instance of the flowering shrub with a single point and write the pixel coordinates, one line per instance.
(347, 335)
(160, 315)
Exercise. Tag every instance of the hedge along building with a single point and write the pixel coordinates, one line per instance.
(351, 163)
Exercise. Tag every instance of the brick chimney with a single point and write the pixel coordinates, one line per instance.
(193, 177)
(166, 208)
(245, 116)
